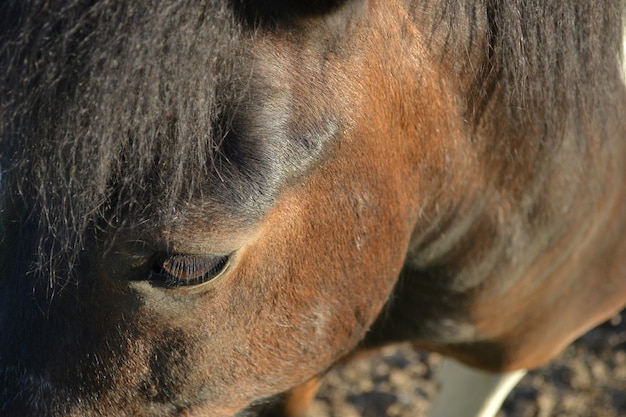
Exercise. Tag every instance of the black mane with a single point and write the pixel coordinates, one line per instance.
(95, 93)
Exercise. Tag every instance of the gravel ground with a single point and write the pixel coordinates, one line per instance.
(587, 380)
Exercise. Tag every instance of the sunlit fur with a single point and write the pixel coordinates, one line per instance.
(444, 172)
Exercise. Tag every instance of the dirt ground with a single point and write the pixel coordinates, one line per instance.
(587, 380)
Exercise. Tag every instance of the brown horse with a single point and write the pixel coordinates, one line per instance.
(207, 204)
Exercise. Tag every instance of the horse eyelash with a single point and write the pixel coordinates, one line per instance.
(173, 271)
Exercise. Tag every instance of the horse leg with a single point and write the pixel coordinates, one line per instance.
(296, 402)
(468, 392)
(293, 403)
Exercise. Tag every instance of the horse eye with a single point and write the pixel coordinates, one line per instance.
(173, 271)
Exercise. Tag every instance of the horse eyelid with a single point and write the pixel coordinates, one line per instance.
(174, 271)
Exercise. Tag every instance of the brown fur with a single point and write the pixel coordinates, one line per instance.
(414, 196)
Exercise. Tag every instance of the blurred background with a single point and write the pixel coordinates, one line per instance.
(587, 380)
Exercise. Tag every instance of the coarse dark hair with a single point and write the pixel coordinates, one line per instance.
(113, 106)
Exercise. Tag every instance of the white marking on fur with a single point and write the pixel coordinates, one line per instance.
(467, 392)
(623, 57)
(624, 51)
